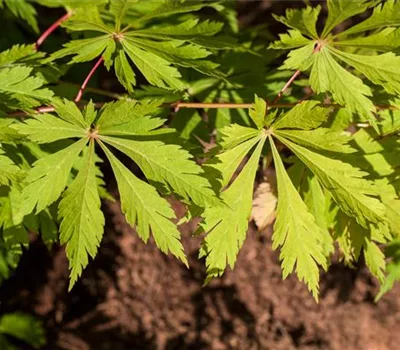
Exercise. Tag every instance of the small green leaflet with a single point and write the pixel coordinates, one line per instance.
(18, 52)
(226, 226)
(146, 209)
(24, 10)
(346, 184)
(327, 75)
(346, 88)
(306, 115)
(258, 112)
(23, 327)
(321, 139)
(386, 40)
(340, 10)
(167, 164)
(9, 172)
(48, 178)
(304, 20)
(318, 202)
(392, 251)
(296, 232)
(381, 70)
(82, 219)
(46, 128)
(156, 53)
(385, 14)
(222, 167)
(17, 83)
(354, 240)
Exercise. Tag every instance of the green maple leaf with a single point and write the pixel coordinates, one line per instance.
(354, 240)
(386, 40)
(9, 171)
(226, 226)
(18, 53)
(82, 220)
(155, 52)
(7, 131)
(16, 83)
(296, 232)
(354, 196)
(22, 9)
(321, 53)
(320, 139)
(167, 164)
(306, 115)
(303, 20)
(145, 209)
(392, 268)
(381, 70)
(384, 15)
(258, 112)
(45, 128)
(49, 176)
(340, 10)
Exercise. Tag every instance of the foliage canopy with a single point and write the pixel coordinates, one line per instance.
(188, 74)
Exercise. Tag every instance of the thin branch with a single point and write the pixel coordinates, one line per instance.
(287, 85)
(51, 29)
(83, 87)
(196, 105)
(210, 105)
(293, 77)
(96, 91)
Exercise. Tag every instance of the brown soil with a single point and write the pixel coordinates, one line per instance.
(134, 297)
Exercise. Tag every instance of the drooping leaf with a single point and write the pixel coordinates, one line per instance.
(82, 221)
(167, 164)
(146, 210)
(353, 194)
(226, 226)
(296, 232)
(48, 178)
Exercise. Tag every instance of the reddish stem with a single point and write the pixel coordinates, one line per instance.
(83, 86)
(51, 29)
(287, 85)
(293, 77)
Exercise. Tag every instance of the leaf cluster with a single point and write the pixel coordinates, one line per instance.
(332, 142)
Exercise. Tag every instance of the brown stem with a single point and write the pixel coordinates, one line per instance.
(83, 86)
(51, 29)
(195, 105)
(210, 105)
